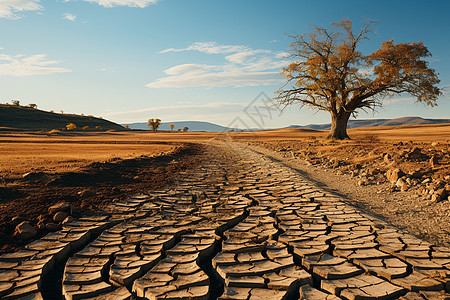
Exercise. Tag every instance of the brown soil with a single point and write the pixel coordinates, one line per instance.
(87, 189)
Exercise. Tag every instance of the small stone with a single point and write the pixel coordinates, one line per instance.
(52, 227)
(68, 220)
(25, 231)
(415, 154)
(400, 182)
(33, 176)
(61, 206)
(426, 180)
(394, 174)
(60, 216)
(435, 198)
(433, 161)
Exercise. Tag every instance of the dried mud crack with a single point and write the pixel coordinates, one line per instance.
(239, 226)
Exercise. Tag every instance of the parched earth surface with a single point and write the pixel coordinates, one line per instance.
(239, 226)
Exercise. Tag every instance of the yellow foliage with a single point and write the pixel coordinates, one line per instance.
(71, 126)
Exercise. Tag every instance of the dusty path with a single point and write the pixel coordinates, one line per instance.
(240, 227)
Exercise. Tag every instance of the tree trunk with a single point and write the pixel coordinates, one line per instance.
(338, 129)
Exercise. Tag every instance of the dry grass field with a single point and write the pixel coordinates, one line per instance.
(30, 152)
(37, 152)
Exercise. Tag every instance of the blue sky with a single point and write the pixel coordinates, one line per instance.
(204, 60)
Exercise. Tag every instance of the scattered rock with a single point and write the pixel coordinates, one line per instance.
(25, 231)
(435, 198)
(400, 183)
(68, 220)
(32, 176)
(394, 174)
(52, 226)
(86, 193)
(433, 161)
(387, 158)
(415, 174)
(426, 180)
(60, 216)
(61, 206)
(415, 154)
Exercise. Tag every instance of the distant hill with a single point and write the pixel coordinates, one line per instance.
(192, 125)
(379, 122)
(26, 118)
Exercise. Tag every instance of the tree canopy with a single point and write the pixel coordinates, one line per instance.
(154, 124)
(330, 73)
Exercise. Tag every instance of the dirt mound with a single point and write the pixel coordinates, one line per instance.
(87, 190)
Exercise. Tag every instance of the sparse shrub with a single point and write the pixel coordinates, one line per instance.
(179, 130)
(86, 128)
(71, 126)
(15, 102)
(98, 128)
(32, 105)
(127, 126)
(186, 128)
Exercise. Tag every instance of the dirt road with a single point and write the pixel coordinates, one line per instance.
(241, 226)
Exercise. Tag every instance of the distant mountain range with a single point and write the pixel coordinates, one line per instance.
(211, 127)
(192, 125)
(378, 122)
(14, 117)
(26, 118)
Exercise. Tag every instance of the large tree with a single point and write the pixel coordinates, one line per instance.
(329, 73)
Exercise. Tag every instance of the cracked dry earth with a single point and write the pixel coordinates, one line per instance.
(238, 227)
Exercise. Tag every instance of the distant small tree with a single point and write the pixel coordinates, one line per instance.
(185, 128)
(32, 105)
(172, 126)
(62, 112)
(15, 102)
(154, 124)
(71, 126)
(98, 128)
(179, 130)
(52, 111)
(127, 126)
(85, 127)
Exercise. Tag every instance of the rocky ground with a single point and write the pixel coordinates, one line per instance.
(242, 225)
(25, 211)
(408, 183)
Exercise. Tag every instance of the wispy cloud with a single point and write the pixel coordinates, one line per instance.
(21, 65)
(70, 17)
(129, 3)
(243, 66)
(219, 112)
(209, 47)
(11, 9)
